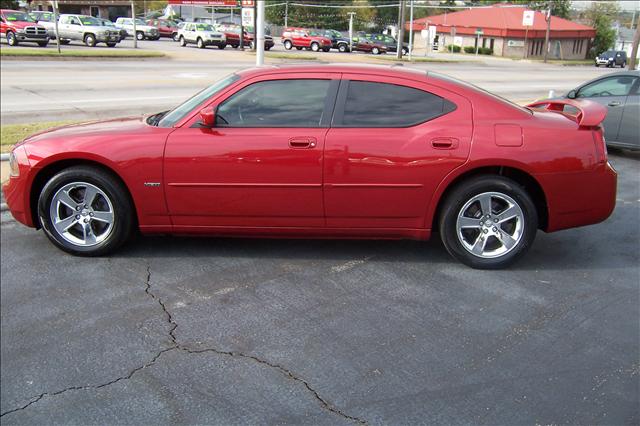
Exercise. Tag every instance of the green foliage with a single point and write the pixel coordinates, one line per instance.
(453, 48)
(600, 16)
(156, 4)
(559, 8)
(485, 51)
(9, 4)
(469, 49)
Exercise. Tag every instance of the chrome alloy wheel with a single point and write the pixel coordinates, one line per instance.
(82, 214)
(490, 225)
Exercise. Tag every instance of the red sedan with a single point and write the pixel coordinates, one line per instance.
(323, 151)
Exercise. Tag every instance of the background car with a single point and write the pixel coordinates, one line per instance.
(112, 26)
(202, 35)
(301, 38)
(47, 20)
(87, 29)
(19, 27)
(324, 150)
(620, 93)
(338, 41)
(166, 27)
(389, 42)
(143, 31)
(612, 58)
(363, 44)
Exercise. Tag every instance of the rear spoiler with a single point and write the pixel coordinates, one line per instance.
(590, 114)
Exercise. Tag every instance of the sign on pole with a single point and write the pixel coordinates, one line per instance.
(527, 18)
(248, 3)
(247, 16)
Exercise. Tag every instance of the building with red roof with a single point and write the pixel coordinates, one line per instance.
(500, 27)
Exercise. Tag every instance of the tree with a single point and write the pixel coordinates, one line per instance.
(9, 4)
(559, 8)
(600, 16)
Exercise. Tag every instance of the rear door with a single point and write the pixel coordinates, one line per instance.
(611, 92)
(629, 132)
(391, 143)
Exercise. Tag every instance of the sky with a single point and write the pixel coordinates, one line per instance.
(624, 4)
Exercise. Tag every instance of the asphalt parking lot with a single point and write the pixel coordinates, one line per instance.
(231, 331)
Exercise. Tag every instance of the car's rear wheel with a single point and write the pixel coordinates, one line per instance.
(65, 41)
(111, 44)
(342, 48)
(43, 43)
(11, 39)
(85, 211)
(299, 47)
(200, 43)
(222, 46)
(288, 45)
(174, 36)
(375, 51)
(315, 47)
(140, 35)
(488, 222)
(90, 40)
(183, 42)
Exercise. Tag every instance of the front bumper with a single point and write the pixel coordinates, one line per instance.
(32, 37)
(603, 62)
(16, 190)
(108, 38)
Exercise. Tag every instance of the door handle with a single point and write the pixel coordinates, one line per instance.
(444, 143)
(302, 143)
(614, 103)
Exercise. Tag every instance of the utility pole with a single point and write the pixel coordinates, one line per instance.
(634, 48)
(241, 30)
(255, 25)
(133, 18)
(546, 36)
(55, 16)
(259, 40)
(286, 14)
(351, 30)
(400, 29)
(411, 29)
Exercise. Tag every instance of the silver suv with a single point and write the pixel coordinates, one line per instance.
(142, 29)
(86, 29)
(202, 35)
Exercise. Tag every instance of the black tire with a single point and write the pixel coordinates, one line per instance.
(111, 44)
(140, 35)
(342, 48)
(267, 48)
(299, 47)
(174, 36)
(461, 195)
(624, 65)
(375, 51)
(222, 46)
(405, 51)
(200, 43)
(288, 45)
(11, 39)
(43, 43)
(326, 49)
(90, 40)
(315, 47)
(122, 210)
(64, 42)
(183, 42)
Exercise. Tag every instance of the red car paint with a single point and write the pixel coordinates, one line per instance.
(166, 27)
(356, 183)
(34, 34)
(301, 38)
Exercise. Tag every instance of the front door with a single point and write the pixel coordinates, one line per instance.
(611, 92)
(629, 132)
(261, 166)
(391, 143)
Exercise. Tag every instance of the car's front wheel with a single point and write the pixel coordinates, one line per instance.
(342, 48)
(288, 45)
(488, 222)
(85, 211)
(90, 40)
(111, 44)
(183, 42)
(375, 51)
(11, 39)
(140, 35)
(315, 47)
(200, 43)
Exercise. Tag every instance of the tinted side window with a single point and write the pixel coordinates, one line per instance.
(612, 86)
(277, 103)
(371, 104)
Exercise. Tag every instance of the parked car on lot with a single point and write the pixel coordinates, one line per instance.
(620, 93)
(363, 44)
(87, 29)
(389, 42)
(143, 31)
(19, 27)
(112, 26)
(323, 151)
(232, 34)
(202, 35)
(47, 20)
(612, 58)
(338, 41)
(301, 38)
(166, 27)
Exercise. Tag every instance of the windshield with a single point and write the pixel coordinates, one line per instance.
(608, 54)
(204, 27)
(47, 17)
(178, 113)
(88, 20)
(107, 23)
(18, 16)
(139, 22)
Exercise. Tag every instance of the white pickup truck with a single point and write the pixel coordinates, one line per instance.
(143, 31)
(86, 29)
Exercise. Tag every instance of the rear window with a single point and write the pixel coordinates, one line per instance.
(370, 104)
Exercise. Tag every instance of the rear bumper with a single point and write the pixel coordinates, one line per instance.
(579, 199)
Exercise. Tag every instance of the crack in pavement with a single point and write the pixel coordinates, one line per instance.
(174, 325)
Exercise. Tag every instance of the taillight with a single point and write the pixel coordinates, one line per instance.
(601, 145)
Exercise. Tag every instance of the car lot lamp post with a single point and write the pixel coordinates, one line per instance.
(259, 38)
(54, 3)
(133, 18)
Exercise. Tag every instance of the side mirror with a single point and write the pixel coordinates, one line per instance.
(208, 117)
(572, 94)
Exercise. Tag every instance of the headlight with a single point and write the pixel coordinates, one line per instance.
(20, 30)
(14, 170)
